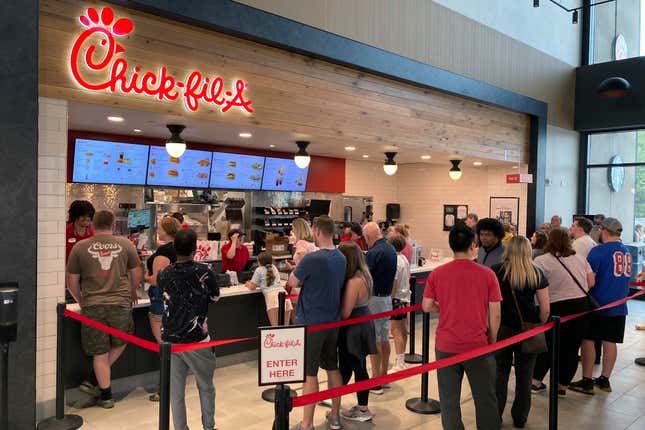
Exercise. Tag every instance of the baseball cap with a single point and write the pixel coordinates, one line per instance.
(612, 225)
(233, 231)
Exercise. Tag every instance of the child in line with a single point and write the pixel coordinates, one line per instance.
(267, 278)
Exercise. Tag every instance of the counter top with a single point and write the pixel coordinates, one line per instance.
(429, 266)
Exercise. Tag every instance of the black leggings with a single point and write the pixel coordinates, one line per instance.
(351, 364)
(571, 334)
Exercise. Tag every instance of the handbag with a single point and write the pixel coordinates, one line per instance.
(593, 303)
(532, 345)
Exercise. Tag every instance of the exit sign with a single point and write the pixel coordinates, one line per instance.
(519, 178)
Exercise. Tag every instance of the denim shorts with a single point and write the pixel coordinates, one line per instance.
(156, 301)
(382, 325)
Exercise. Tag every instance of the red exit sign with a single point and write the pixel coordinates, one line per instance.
(519, 178)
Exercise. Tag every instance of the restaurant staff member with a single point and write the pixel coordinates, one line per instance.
(235, 254)
(79, 224)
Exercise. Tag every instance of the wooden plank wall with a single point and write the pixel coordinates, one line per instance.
(331, 104)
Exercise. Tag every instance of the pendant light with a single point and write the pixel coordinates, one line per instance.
(390, 167)
(302, 158)
(175, 146)
(614, 87)
(455, 171)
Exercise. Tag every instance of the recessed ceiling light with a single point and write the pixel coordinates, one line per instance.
(271, 146)
(514, 167)
(137, 130)
(426, 157)
(477, 163)
(366, 156)
(350, 148)
(245, 135)
(115, 118)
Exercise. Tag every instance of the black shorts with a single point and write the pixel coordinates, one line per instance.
(609, 329)
(399, 304)
(322, 351)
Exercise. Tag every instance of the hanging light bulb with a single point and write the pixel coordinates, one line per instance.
(390, 167)
(302, 158)
(455, 171)
(175, 146)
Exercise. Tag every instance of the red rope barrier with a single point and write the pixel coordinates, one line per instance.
(363, 319)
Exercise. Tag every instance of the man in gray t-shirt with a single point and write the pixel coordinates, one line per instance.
(490, 233)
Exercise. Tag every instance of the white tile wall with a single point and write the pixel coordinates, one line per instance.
(52, 176)
(368, 179)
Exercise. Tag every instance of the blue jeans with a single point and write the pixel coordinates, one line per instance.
(156, 301)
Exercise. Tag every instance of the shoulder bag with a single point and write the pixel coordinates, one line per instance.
(593, 303)
(532, 345)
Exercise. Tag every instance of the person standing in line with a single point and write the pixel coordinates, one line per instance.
(381, 260)
(508, 232)
(79, 224)
(612, 265)
(303, 245)
(357, 236)
(320, 276)
(546, 228)
(595, 231)
(188, 287)
(556, 221)
(466, 295)
(163, 257)
(356, 341)
(97, 278)
(538, 242)
(471, 221)
(267, 278)
(570, 278)
(235, 254)
(490, 233)
(404, 231)
(520, 282)
(579, 231)
(400, 299)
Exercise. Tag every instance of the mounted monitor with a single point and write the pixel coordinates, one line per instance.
(139, 219)
(236, 171)
(191, 170)
(282, 174)
(105, 162)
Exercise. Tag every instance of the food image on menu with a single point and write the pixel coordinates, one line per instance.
(202, 175)
(255, 177)
(282, 174)
(173, 173)
(175, 160)
(89, 154)
(236, 171)
(256, 166)
(151, 174)
(232, 164)
(280, 178)
(153, 161)
(204, 162)
(230, 176)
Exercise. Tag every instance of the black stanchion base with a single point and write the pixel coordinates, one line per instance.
(420, 407)
(413, 358)
(269, 395)
(640, 361)
(68, 422)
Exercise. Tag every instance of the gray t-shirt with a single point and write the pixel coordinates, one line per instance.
(561, 285)
(492, 257)
(260, 279)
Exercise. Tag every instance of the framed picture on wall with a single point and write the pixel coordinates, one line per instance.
(505, 209)
(452, 214)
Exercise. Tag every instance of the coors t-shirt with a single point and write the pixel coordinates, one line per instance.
(103, 262)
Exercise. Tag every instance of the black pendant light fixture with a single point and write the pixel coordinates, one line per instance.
(614, 87)
(175, 146)
(302, 158)
(455, 170)
(390, 167)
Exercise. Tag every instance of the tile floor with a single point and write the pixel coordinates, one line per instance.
(239, 406)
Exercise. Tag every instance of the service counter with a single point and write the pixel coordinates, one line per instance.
(237, 314)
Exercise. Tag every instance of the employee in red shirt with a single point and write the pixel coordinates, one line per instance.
(235, 254)
(79, 224)
(467, 297)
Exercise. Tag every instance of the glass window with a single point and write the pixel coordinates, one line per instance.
(617, 30)
(618, 191)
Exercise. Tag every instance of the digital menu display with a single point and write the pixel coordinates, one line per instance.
(103, 162)
(191, 170)
(282, 174)
(236, 171)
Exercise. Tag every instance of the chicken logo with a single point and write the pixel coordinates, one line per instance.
(105, 253)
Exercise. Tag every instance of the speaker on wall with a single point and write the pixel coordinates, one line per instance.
(393, 211)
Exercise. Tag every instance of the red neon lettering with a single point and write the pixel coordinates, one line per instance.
(102, 55)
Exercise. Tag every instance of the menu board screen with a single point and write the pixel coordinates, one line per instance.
(236, 171)
(282, 174)
(103, 162)
(191, 170)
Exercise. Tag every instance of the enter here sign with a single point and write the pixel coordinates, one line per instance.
(282, 355)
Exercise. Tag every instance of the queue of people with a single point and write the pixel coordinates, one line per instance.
(505, 287)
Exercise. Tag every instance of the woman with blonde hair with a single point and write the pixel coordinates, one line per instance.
(404, 231)
(304, 240)
(520, 283)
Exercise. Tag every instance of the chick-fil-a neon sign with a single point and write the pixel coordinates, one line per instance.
(115, 74)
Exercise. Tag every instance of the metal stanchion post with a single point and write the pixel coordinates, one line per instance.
(412, 357)
(423, 404)
(555, 374)
(269, 395)
(60, 421)
(164, 386)
(4, 384)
